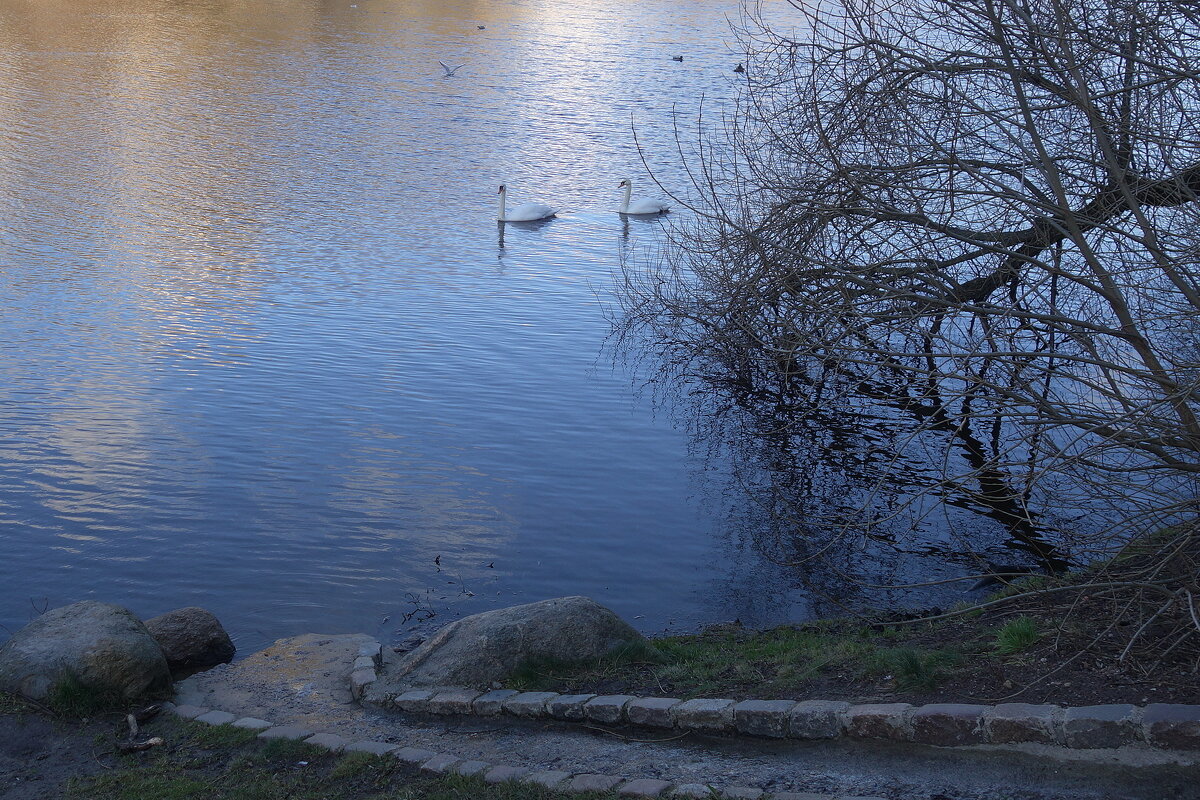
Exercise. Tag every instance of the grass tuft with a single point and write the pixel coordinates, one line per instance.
(291, 750)
(1017, 635)
(359, 766)
(536, 674)
(215, 736)
(917, 669)
(71, 697)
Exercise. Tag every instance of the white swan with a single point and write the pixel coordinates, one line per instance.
(526, 212)
(640, 207)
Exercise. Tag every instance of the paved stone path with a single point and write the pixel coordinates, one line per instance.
(304, 682)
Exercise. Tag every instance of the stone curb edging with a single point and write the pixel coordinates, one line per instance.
(366, 668)
(435, 763)
(1165, 726)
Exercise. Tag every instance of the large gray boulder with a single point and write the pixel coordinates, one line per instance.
(475, 651)
(101, 646)
(191, 638)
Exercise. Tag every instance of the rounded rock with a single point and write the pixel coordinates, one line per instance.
(478, 650)
(104, 647)
(191, 638)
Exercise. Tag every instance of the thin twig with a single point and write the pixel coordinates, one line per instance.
(1009, 598)
(1191, 607)
(632, 738)
(1137, 635)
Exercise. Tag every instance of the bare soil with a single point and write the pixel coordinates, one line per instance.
(39, 754)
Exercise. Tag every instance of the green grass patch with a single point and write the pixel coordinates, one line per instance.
(133, 784)
(356, 766)
(202, 762)
(536, 673)
(1033, 583)
(913, 668)
(1017, 635)
(222, 736)
(775, 662)
(71, 697)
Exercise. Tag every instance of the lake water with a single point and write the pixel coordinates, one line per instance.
(266, 350)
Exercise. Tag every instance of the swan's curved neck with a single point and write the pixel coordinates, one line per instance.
(500, 214)
(625, 202)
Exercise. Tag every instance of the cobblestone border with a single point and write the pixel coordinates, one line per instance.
(1166, 726)
(365, 669)
(435, 763)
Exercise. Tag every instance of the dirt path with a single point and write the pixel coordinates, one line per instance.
(303, 681)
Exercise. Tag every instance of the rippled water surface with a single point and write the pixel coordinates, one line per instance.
(265, 349)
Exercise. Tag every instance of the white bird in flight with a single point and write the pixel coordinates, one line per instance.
(450, 70)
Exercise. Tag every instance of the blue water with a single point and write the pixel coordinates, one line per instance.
(264, 349)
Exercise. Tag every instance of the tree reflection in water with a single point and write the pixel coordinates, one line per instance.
(943, 266)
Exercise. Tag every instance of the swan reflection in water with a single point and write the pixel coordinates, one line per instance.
(527, 225)
(635, 219)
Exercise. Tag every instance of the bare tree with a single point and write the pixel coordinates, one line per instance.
(982, 216)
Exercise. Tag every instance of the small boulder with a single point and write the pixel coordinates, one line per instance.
(101, 646)
(191, 638)
(475, 651)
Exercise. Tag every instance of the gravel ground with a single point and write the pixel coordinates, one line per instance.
(303, 680)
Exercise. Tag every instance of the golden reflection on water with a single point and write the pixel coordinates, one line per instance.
(248, 269)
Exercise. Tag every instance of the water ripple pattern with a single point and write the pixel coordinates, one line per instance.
(265, 348)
